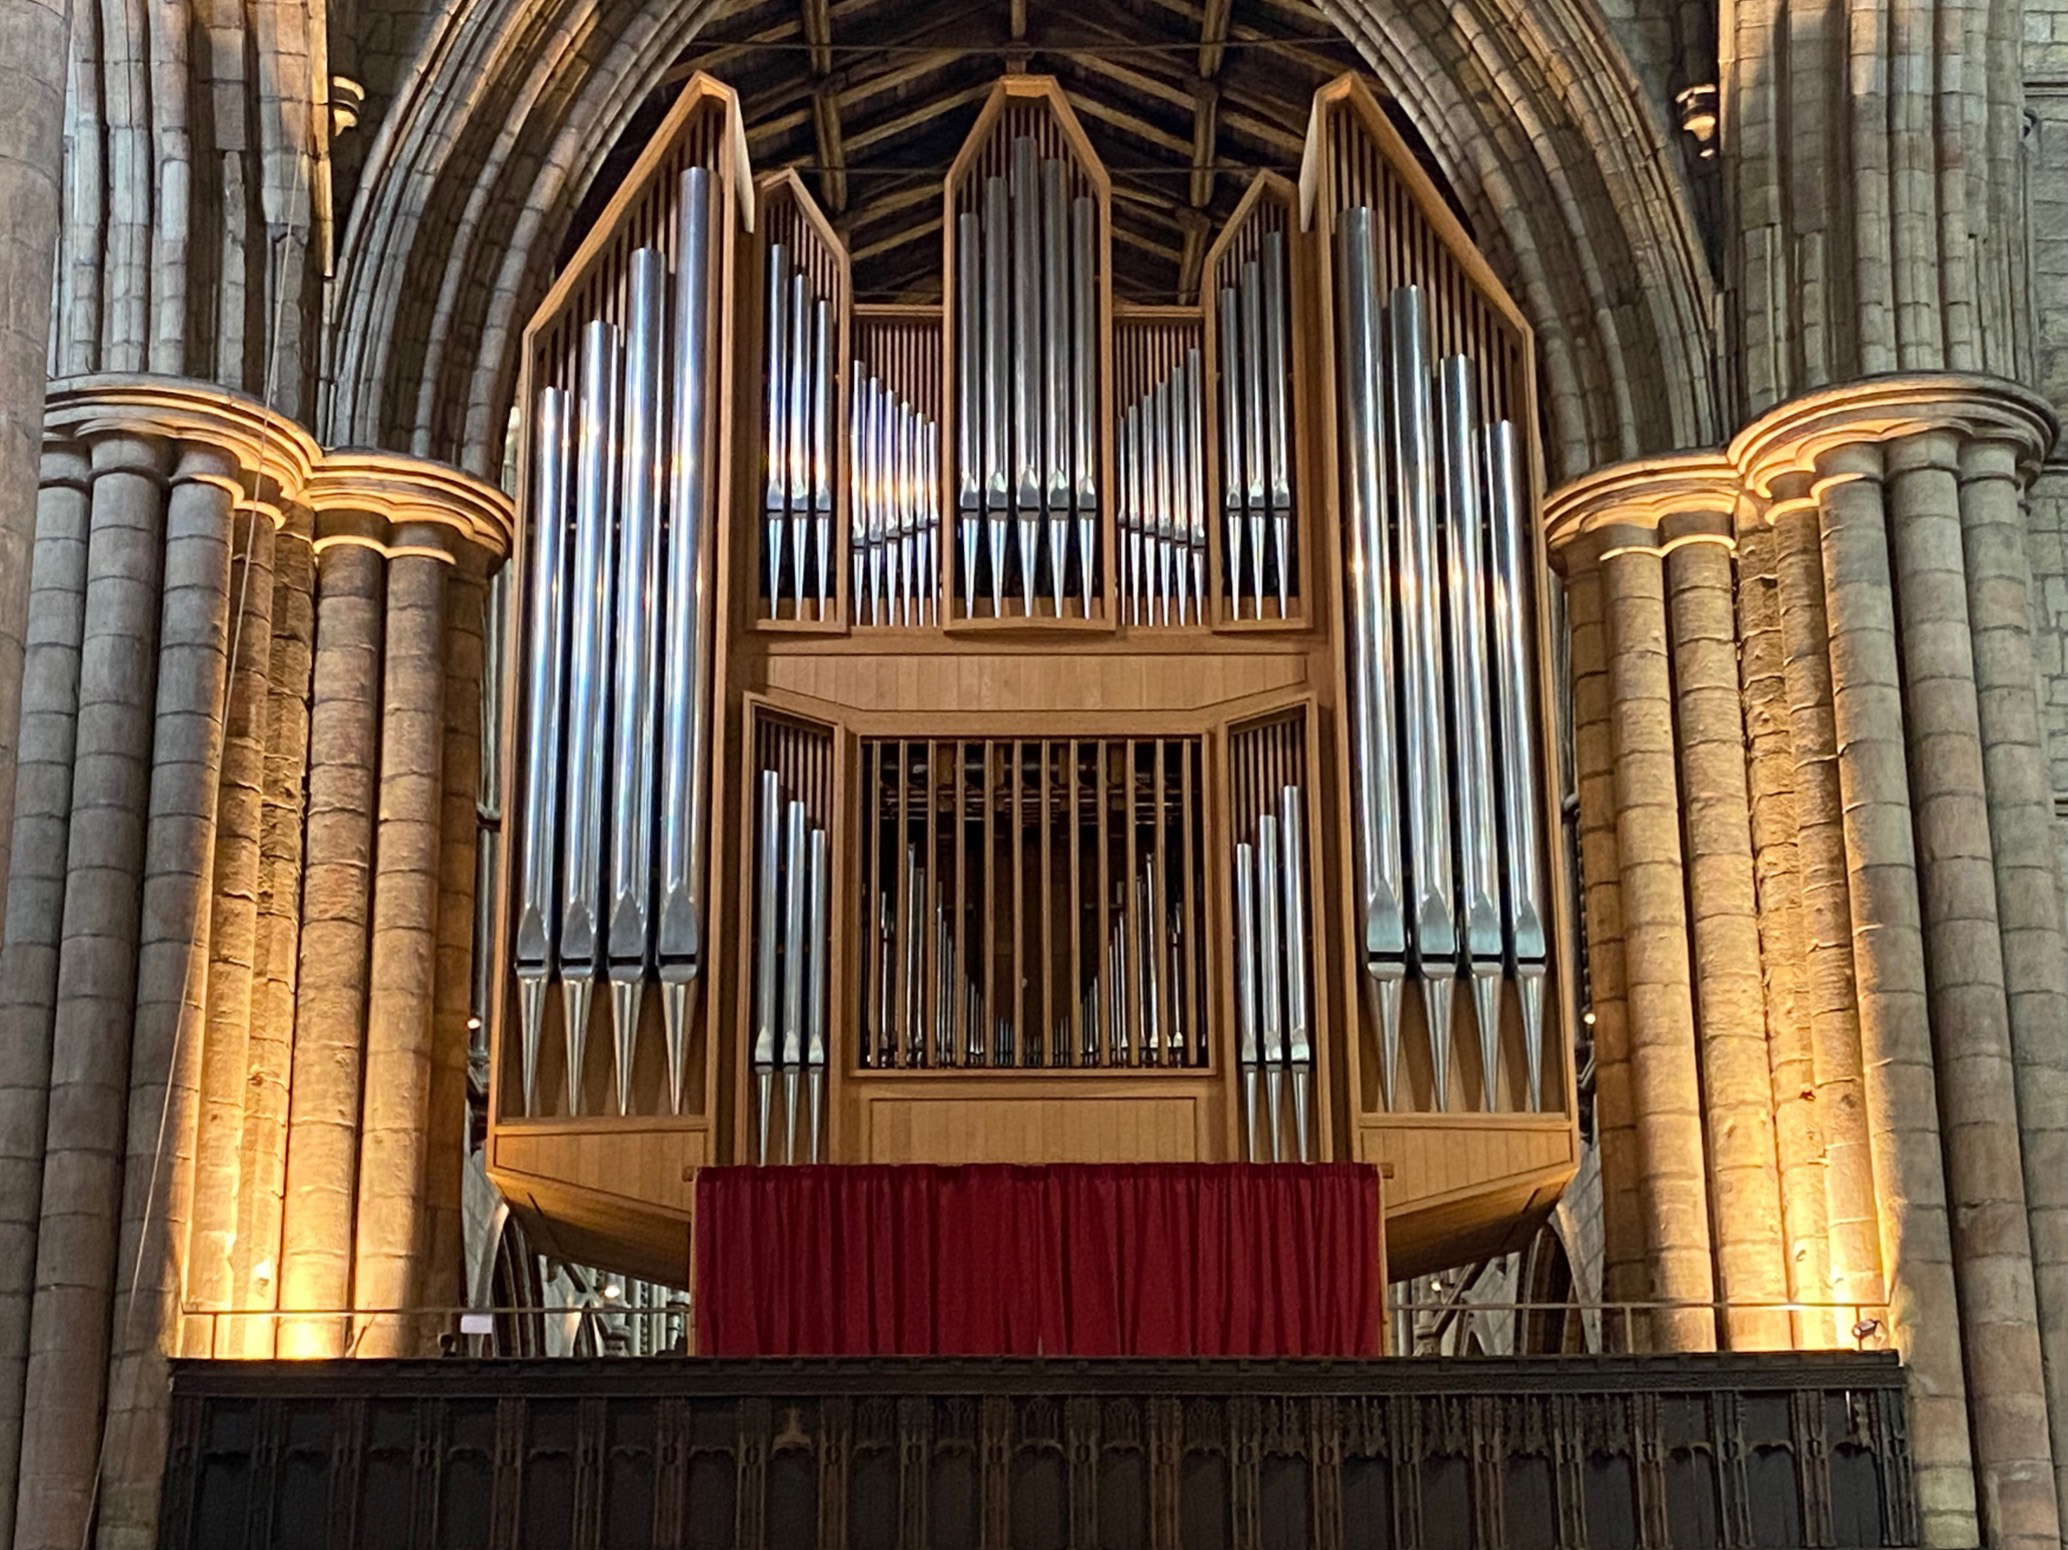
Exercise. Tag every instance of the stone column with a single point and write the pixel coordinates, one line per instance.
(1899, 1088)
(1831, 997)
(35, 51)
(232, 946)
(330, 995)
(77, 1229)
(42, 811)
(390, 1236)
(1970, 1012)
(1594, 760)
(1736, 1076)
(172, 975)
(2021, 828)
(1773, 814)
(262, 1147)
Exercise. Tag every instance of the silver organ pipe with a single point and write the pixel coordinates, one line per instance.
(1432, 902)
(1277, 439)
(686, 692)
(1057, 437)
(1479, 862)
(1271, 977)
(1299, 1039)
(1519, 762)
(822, 451)
(969, 416)
(1254, 476)
(796, 920)
(998, 357)
(1084, 396)
(1131, 508)
(1375, 775)
(581, 867)
(777, 500)
(767, 936)
(800, 372)
(1232, 472)
(818, 947)
(1026, 359)
(1248, 1033)
(538, 910)
(1195, 489)
(629, 931)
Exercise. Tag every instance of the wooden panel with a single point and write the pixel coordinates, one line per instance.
(1431, 1159)
(1075, 686)
(651, 1167)
(958, 1128)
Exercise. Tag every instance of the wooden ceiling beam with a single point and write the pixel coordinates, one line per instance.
(864, 87)
(769, 130)
(927, 228)
(825, 123)
(1129, 123)
(912, 118)
(1136, 240)
(1213, 36)
(1133, 79)
(1206, 109)
(818, 33)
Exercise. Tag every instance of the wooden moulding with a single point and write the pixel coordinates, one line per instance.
(703, 127)
(1270, 203)
(1040, 105)
(789, 215)
(1355, 156)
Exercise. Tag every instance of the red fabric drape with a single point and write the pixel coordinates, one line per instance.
(1073, 1260)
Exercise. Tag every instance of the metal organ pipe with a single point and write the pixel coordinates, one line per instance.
(1270, 976)
(1522, 846)
(796, 919)
(777, 500)
(686, 646)
(538, 910)
(768, 862)
(1055, 375)
(969, 416)
(1375, 776)
(1251, 293)
(998, 365)
(1246, 1021)
(1299, 1053)
(630, 926)
(1026, 358)
(1232, 472)
(581, 870)
(1084, 372)
(1277, 437)
(1418, 579)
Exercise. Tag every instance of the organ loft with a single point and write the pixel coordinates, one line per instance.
(1140, 775)
(1032, 728)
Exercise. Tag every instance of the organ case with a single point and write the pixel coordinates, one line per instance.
(1042, 671)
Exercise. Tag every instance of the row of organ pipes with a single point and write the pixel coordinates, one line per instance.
(1162, 506)
(1256, 437)
(894, 511)
(791, 944)
(611, 864)
(1440, 675)
(1274, 1033)
(1027, 393)
(798, 457)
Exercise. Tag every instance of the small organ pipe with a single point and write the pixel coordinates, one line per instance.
(1298, 1036)
(1278, 441)
(1270, 978)
(818, 946)
(767, 865)
(796, 915)
(1246, 1021)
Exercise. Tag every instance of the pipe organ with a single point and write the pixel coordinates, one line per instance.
(1029, 726)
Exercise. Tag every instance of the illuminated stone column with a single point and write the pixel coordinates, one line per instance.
(1659, 535)
(1956, 939)
(42, 815)
(330, 995)
(1625, 1277)
(1774, 815)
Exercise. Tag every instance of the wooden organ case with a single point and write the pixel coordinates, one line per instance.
(1029, 727)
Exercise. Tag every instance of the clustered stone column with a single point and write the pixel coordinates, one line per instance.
(1832, 822)
(207, 619)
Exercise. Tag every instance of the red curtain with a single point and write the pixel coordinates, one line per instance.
(1074, 1260)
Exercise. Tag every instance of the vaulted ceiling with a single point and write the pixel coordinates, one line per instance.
(1184, 100)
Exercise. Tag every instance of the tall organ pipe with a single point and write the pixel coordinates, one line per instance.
(1254, 475)
(581, 872)
(1428, 778)
(538, 907)
(1057, 440)
(1271, 983)
(686, 645)
(799, 371)
(1026, 364)
(822, 446)
(1375, 778)
(818, 940)
(969, 413)
(1299, 1051)
(1464, 529)
(796, 915)
(1195, 493)
(1085, 397)
(1278, 439)
(778, 493)
(1232, 473)
(1513, 584)
(1246, 986)
(767, 865)
(630, 932)
(998, 353)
